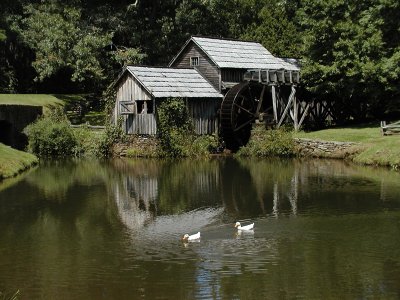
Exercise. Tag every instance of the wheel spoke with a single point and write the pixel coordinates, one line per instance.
(244, 109)
(243, 125)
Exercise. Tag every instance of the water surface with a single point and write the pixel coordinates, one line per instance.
(111, 230)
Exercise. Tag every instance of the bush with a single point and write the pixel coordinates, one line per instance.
(88, 142)
(51, 136)
(263, 142)
(176, 134)
(112, 135)
(174, 128)
(204, 145)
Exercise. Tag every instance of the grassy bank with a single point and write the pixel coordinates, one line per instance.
(31, 99)
(376, 149)
(12, 161)
(71, 103)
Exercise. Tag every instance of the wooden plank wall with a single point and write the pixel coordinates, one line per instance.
(141, 124)
(206, 67)
(129, 89)
(232, 75)
(204, 115)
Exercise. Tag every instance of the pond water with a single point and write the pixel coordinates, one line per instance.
(111, 230)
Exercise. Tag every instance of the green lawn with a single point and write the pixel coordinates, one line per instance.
(377, 149)
(359, 134)
(49, 101)
(31, 99)
(13, 161)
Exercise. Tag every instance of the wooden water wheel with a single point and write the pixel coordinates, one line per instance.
(242, 105)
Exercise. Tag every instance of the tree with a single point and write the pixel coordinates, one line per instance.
(62, 41)
(274, 30)
(351, 52)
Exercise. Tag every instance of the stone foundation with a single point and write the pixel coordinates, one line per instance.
(326, 149)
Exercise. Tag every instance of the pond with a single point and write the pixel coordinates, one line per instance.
(89, 229)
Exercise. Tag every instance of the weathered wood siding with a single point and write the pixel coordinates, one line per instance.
(141, 124)
(130, 90)
(204, 114)
(232, 75)
(206, 66)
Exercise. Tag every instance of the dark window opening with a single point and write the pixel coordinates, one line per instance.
(144, 106)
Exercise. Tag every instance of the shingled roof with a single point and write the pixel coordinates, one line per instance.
(238, 54)
(169, 82)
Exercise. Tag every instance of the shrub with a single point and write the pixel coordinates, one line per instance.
(176, 134)
(174, 128)
(204, 145)
(51, 135)
(112, 135)
(88, 142)
(263, 142)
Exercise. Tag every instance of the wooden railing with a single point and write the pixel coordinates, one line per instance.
(88, 126)
(393, 128)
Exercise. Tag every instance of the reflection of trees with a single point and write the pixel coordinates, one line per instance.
(54, 178)
(187, 184)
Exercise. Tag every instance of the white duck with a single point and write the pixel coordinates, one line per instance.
(192, 237)
(247, 227)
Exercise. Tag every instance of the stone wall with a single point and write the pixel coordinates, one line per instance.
(327, 149)
(13, 120)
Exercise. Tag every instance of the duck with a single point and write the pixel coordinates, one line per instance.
(192, 237)
(247, 227)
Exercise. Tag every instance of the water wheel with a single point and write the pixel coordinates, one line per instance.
(242, 105)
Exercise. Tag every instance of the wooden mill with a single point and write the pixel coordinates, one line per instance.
(241, 83)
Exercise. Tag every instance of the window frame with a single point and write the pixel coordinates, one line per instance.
(194, 61)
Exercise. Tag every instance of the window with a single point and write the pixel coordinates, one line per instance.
(194, 61)
(144, 106)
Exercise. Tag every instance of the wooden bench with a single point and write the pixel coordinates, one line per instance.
(393, 128)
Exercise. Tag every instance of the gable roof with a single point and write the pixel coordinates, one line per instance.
(169, 82)
(237, 54)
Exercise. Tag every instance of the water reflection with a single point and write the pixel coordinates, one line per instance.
(111, 229)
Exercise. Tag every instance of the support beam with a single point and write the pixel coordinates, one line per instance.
(288, 105)
(274, 104)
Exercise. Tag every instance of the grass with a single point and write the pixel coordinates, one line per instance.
(376, 149)
(31, 99)
(45, 100)
(13, 162)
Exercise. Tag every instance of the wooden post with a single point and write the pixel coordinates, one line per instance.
(260, 101)
(295, 108)
(274, 106)
(305, 112)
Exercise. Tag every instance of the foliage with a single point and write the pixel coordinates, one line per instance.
(51, 135)
(264, 143)
(174, 127)
(61, 40)
(128, 56)
(275, 31)
(203, 145)
(112, 135)
(350, 50)
(352, 53)
(176, 135)
(2, 35)
(88, 142)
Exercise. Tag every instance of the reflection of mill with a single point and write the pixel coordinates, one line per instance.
(292, 193)
(135, 197)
